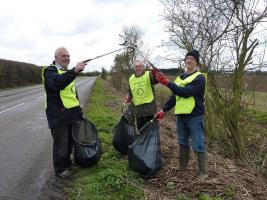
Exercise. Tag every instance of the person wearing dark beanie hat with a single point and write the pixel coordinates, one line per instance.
(193, 53)
(187, 98)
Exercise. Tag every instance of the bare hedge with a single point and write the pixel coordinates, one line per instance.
(14, 74)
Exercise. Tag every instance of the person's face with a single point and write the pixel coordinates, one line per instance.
(63, 58)
(190, 63)
(138, 68)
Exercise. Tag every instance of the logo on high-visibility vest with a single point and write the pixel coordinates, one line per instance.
(140, 91)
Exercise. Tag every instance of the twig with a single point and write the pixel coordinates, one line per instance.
(144, 190)
(79, 194)
(145, 194)
(132, 183)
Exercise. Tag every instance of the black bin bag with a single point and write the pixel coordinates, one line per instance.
(144, 153)
(124, 131)
(87, 145)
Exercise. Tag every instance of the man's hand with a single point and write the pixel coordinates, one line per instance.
(127, 99)
(79, 67)
(159, 115)
(162, 78)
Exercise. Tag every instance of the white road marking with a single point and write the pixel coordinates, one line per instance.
(11, 108)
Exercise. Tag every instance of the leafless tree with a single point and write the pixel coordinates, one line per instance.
(123, 62)
(226, 34)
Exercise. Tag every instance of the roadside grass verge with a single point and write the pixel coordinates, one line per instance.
(110, 178)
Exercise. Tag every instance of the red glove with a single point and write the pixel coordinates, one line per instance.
(154, 72)
(162, 78)
(127, 99)
(159, 115)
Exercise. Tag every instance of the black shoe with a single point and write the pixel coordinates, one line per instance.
(73, 166)
(65, 174)
(147, 176)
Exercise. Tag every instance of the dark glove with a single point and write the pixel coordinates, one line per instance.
(154, 72)
(127, 99)
(159, 115)
(162, 78)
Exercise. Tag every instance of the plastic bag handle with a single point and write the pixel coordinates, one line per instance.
(146, 124)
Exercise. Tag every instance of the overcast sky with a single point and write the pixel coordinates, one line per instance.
(31, 30)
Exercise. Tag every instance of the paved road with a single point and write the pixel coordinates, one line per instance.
(25, 140)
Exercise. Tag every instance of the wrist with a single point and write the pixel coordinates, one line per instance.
(167, 83)
(75, 70)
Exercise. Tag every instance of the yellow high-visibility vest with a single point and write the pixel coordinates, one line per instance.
(67, 95)
(185, 105)
(141, 89)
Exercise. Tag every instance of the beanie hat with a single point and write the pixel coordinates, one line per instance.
(195, 54)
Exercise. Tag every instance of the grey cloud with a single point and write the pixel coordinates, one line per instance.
(13, 39)
(19, 43)
(81, 26)
(104, 2)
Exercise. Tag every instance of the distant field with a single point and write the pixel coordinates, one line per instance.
(260, 101)
(252, 82)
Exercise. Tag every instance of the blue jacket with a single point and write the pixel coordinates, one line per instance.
(196, 89)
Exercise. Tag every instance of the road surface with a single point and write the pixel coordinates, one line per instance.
(25, 140)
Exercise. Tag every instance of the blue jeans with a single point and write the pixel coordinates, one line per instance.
(191, 126)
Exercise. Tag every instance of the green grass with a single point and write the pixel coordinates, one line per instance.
(259, 116)
(110, 178)
(260, 101)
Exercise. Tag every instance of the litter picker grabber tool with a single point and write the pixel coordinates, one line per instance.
(147, 124)
(140, 53)
(129, 49)
(128, 44)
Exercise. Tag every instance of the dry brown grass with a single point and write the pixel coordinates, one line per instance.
(226, 179)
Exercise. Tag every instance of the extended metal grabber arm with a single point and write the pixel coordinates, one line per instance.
(130, 49)
(128, 43)
(140, 53)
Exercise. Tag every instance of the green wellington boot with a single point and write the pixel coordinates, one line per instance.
(202, 166)
(184, 157)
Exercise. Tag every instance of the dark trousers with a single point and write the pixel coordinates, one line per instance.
(62, 147)
(141, 121)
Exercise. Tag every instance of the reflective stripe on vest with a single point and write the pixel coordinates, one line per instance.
(68, 94)
(185, 105)
(141, 89)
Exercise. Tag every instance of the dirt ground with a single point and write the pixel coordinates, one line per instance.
(225, 177)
